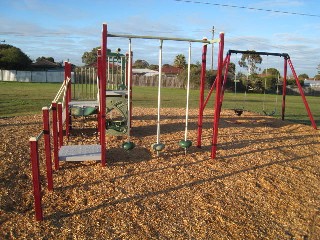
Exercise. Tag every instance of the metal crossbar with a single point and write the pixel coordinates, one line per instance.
(164, 38)
(285, 55)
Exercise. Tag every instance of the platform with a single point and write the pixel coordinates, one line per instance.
(72, 153)
(83, 104)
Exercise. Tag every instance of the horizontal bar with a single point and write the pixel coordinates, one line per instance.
(285, 55)
(163, 38)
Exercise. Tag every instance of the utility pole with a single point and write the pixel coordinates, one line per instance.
(212, 48)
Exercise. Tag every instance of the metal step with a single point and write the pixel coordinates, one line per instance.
(74, 153)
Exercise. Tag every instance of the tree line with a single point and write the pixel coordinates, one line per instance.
(13, 58)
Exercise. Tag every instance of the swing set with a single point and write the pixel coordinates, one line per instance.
(220, 84)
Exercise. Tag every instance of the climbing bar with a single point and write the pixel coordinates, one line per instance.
(163, 38)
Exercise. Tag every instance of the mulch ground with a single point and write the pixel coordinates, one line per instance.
(263, 184)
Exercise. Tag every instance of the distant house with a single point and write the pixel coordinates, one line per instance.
(311, 83)
(144, 72)
(44, 64)
(171, 70)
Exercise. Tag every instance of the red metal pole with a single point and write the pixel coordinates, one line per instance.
(201, 98)
(212, 87)
(226, 65)
(55, 135)
(302, 95)
(99, 87)
(217, 98)
(60, 128)
(103, 94)
(47, 146)
(36, 178)
(67, 74)
(284, 88)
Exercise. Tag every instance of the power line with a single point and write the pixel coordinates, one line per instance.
(250, 8)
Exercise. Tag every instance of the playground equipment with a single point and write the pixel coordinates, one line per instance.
(158, 146)
(219, 91)
(106, 102)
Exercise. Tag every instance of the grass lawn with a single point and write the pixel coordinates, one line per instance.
(18, 99)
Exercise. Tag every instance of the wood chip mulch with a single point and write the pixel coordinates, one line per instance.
(263, 184)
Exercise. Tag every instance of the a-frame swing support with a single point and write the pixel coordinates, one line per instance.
(220, 90)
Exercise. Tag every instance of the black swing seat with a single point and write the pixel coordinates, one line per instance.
(269, 114)
(238, 111)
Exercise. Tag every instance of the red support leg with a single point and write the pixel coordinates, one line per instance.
(213, 87)
(47, 146)
(302, 95)
(217, 98)
(67, 74)
(55, 135)
(36, 178)
(284, 88)
(99, 87)
(226, 66)
(103, 95)
(201, 98)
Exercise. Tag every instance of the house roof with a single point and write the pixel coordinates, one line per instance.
(144, 71)
(171, 70)
(45, 63)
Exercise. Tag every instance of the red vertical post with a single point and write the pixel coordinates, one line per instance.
(103, 81)
(67, 75)
(201, 97)
(284, 87)
(55, 135)
(47, 146)
(36, 178)
(217, 98)
(99, 87)
(60, 126)
(302, 95)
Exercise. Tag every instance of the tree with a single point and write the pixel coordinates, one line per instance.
(303, 76)
(249, 61)
(154, 67)
(141, 64)
(232, 68)
(90, 57)
(195, 72)
(317, 77)
(271, 72)
(12, 58)
(180, 61)
(50, 59)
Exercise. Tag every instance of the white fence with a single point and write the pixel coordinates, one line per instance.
(31, 76)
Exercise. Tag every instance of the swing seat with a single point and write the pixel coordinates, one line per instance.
(238, 111)
(185, 143)
(269, 114)
(158, 147)
(128, 145)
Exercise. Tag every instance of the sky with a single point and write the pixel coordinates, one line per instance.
(66, 29)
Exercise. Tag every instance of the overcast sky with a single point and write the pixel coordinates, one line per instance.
(66, 29)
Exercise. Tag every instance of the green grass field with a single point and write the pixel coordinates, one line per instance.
(18, 99)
